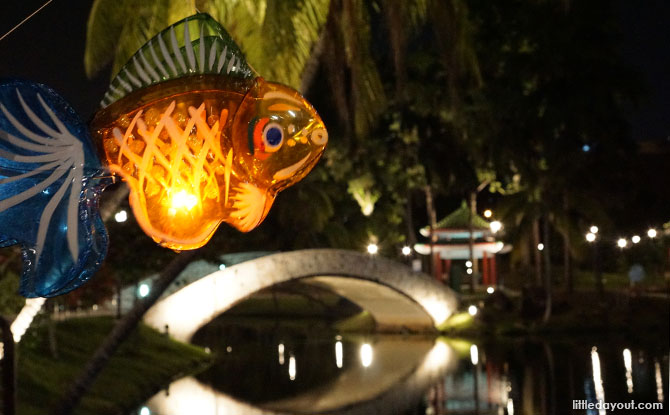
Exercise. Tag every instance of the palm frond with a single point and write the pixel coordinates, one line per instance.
(117, 29)
(105, 24)
(454, 34)
(277, 36)
(368, 96)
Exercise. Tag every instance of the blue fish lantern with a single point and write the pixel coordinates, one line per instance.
(50, 183)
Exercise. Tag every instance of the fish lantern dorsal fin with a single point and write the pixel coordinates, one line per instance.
(195, 45)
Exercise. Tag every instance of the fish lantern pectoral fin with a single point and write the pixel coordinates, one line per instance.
(277, 138)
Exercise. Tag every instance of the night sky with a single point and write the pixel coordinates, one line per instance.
(646, 32)
(49, 49)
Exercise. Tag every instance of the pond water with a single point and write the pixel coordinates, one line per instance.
(308, 369)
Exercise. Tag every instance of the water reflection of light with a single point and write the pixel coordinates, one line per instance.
(628, 363)
(291, 367)
(597, 378)
(659, 382)
(438, 356)
(280, 350)
(510, 406)
(188, 396)
(474, 354)
(505, 389)
(339, 354)
(366, 355)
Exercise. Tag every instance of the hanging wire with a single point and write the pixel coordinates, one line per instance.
(25, 20)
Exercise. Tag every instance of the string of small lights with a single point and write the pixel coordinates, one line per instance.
(622, 242)
(591, 236)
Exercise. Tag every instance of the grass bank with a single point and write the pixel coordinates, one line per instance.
(146, 361)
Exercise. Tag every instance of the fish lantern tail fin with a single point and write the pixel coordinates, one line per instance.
(50, 183)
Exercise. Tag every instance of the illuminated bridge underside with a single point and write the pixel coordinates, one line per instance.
(390, 309)
(395, 296)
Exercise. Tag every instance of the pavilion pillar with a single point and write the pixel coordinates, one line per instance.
(494, 275)
(447, 270)
(437, 266)
(485, 268)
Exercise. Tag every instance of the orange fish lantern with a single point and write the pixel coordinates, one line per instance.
(197, 135)
(199, 138)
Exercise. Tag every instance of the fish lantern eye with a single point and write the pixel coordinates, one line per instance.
(273, 137)
(319, 136)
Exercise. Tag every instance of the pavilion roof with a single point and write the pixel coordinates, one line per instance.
(459, 219)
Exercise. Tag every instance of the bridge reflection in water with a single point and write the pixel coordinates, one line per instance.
(392, 373)
(522, 376)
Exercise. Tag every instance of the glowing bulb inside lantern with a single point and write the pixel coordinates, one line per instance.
(182, 200)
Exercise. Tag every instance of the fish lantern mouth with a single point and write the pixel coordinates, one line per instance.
(277, 135)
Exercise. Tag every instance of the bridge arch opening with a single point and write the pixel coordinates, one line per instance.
(395, 296)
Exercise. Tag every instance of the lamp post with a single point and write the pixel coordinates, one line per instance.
(8, 368)
(407, 254)
(592, 239)
(495, 226)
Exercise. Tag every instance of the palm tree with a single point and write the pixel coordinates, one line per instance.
(276, 36)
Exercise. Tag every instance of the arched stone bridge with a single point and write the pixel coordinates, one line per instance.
(394, 295)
